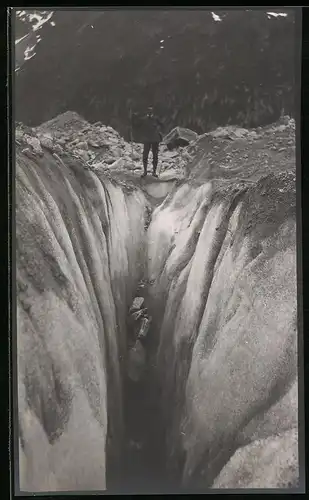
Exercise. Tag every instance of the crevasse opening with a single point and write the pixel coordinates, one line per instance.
(211, 255)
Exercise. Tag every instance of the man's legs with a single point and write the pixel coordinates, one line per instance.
(146, 150)
(155, 155)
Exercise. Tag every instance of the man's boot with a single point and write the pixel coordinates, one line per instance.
(145, 170)
(154, 170)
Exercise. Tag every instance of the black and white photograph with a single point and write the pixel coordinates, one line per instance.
(157, 340)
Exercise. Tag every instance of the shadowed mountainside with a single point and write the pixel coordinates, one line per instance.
(198, 72)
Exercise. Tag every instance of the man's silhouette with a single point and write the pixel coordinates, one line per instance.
(152, 131)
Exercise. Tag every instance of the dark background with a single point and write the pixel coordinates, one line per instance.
(101, 63)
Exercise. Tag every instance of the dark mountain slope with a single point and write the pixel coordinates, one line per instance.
(204, 73)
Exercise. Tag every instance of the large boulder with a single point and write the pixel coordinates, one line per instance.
(179, 136)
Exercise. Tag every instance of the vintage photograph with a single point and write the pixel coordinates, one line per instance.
(157, 312)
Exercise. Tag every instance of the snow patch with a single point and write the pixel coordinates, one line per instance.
(28, 54)
(41, 20)
(216, 17)
(276, 14)
(30, 57)
(20, 39)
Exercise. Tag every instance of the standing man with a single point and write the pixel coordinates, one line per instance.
(153, 136)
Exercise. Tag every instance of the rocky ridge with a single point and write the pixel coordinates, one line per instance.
(101, 148)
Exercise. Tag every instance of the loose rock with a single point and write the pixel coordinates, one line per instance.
(137, 303)
(58, 149)
(179, 136)
(34, 143)
(46, 141)
(82, 145)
